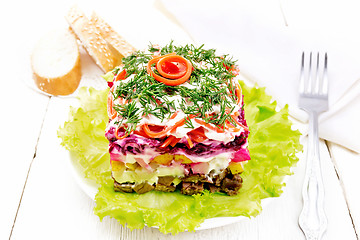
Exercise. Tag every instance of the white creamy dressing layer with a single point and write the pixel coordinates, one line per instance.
(216, 163)
(149, 153)
(181, 131)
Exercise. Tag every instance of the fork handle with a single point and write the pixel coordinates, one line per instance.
(312, 219)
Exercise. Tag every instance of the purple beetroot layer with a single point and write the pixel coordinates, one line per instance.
(135, 144)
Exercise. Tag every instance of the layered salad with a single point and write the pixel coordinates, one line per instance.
(176, 122)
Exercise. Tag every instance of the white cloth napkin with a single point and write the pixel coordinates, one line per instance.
(268, 45)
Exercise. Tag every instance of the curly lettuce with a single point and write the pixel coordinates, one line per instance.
(272, 145)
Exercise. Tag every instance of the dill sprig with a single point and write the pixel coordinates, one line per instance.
(210, 85)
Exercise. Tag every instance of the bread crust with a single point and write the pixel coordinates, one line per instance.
(90, 38)
(112, 37)
(62, 82)
(62, 85)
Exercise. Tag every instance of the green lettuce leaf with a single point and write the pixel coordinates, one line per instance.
(272, 145)
(109, 76)
(83, 134)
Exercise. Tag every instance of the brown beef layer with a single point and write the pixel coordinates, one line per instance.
(192, 184)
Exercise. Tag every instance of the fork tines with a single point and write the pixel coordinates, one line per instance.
(313, 77)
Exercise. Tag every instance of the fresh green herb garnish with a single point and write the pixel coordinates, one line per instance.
(210, 85)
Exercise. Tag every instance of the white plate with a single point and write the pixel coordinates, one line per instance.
(90, 188)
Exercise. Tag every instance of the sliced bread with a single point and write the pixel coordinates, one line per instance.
(55, 63)
(92, 41)
(116, 41)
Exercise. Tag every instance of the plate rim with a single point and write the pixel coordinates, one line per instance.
(90, 188)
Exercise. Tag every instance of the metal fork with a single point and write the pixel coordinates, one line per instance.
(313, 98)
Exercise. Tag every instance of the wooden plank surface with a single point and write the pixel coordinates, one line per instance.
(60, 206)
(22, 109)
(347, 165)
(19, 141)
(54, 207)
(22, 114)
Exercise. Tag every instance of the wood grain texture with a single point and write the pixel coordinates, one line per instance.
(54, 203)
(347, 165)
(54, 207)
(19, 127)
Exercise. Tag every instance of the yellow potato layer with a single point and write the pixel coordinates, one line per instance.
(131, 166)
(164, 159)
(182, 158)
(117, 166)
(236, 167)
